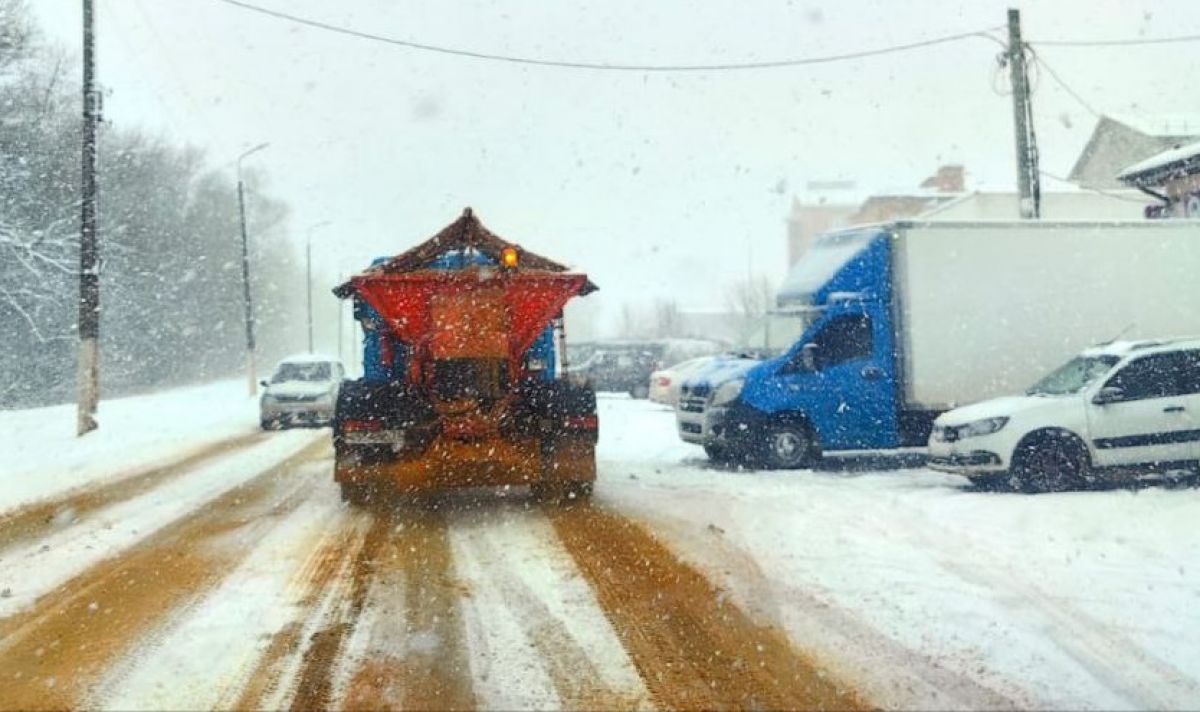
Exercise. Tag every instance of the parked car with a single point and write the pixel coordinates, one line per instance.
(665, 383)
(1123, 409)
(303, 390)
(623, 367)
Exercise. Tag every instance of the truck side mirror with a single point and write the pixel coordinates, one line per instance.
(1109, 394)
(808, 356)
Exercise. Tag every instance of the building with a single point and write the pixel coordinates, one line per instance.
(1172, 178)
(1068, 204)
(1119, 142)
(837, 204)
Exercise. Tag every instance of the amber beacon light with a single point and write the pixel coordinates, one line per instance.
(509, 258)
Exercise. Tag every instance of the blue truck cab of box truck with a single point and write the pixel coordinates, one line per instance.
(835, 388)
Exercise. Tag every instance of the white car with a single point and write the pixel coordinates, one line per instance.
(1123, 409)
(303, 390)
(665, 384)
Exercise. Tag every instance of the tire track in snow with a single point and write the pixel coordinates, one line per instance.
(899, 677)
(693, 648)
(38, 518)
(205, 656)
(344, 579)
(53, 654)
(414, 658)
(316, 585)
(1116, 661)
(534, 621)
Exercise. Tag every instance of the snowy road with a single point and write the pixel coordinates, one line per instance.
(232, 576)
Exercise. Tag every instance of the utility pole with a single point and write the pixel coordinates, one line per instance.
(308, 286)
(308, 278)
(89, 251)
(251, 377)
(1028, 177)
(341, 313)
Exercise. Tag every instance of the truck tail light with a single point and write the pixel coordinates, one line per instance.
(358, 426)
(582, 422)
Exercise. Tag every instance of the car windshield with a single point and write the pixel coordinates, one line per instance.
(1073, 376)
(316, 371)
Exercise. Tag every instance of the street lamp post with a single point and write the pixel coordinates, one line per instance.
(251, 377)
(308, 278)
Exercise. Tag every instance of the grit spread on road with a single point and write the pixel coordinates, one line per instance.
(232, 576)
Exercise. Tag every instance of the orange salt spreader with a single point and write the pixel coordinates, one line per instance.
(465, 388)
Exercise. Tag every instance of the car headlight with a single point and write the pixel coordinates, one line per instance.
(987, 426)
(726, 392)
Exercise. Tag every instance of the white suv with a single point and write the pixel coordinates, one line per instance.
(1124, 408)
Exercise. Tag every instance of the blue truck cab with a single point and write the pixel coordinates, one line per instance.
(834, 388)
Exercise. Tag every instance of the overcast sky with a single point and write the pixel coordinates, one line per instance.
(657, 185)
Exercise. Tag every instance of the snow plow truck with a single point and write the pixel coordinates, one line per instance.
(462, 374)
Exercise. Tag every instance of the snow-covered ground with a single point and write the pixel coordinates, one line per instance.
(41, 455)
(907, 586)
(926, 594)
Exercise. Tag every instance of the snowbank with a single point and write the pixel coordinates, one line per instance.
(42, 456)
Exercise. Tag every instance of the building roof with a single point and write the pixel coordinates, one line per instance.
(1117, 142)
(1161, 125)
(1173, 163)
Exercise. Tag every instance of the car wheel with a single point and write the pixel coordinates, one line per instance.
(269, 424)
(719, 454)
(640, 391)
(788, 447)
(1050, 463)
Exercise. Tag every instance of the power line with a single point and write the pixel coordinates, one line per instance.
(1097, 191)
(472, 54)
(1066, 87)
(1117, 43)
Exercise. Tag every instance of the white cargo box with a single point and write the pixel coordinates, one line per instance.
(987, 308)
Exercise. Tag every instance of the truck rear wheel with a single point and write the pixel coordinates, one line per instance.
(788, 447)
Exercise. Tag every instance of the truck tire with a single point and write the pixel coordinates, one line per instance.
(787, 446)
(717, 453)
(1050, 461)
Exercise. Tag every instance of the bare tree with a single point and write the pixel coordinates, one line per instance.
(668, 321)
(171, 258)
(748, 301)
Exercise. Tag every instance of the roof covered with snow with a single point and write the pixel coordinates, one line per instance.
(469, 235)
(1162, 125)
(1174, 162)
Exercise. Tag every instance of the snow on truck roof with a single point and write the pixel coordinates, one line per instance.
(467, 234)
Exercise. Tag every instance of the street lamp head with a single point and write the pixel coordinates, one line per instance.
(246, 153)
